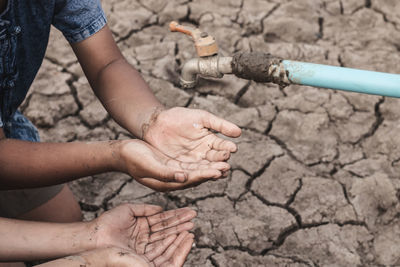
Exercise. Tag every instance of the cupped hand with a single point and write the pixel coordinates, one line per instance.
(187, 135)
(174, 256)
(169, 254)
(160, 236)
(156, 170)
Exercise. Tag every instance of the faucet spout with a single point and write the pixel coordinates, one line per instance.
(214, 66)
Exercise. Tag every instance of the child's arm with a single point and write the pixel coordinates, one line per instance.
(174, 256)
(27, 240)
(121, 89)
(142, 229)
(180, 133)
(28, 164)
(105, 257)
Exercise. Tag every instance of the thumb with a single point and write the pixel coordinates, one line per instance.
(171, 174)
(180, 177)
(215, 123)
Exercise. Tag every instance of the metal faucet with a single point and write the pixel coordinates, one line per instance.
(208, 63)
(264, 67)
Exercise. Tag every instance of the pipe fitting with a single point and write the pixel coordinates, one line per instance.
(213, 66)
(189, 73)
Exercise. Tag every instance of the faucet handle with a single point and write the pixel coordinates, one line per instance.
(205, 44)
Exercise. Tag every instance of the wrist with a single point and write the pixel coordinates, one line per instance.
(131, 156)
(149, 118)
(87, 237)
(97, 236)
(115, 151)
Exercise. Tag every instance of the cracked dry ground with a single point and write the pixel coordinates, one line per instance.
(316, 179)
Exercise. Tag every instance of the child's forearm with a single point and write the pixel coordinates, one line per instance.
(69, 261)
(121, 89)
(26, 240)
(111, 256)
(28, 164)
(126, 96)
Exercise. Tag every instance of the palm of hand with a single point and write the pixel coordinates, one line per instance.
(148, 165)
(185, 135)
(146, 231)
(135, 233)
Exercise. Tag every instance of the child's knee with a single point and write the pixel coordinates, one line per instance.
(61, 208)
(12, 264)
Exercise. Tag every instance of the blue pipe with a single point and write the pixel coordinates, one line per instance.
(340, 78)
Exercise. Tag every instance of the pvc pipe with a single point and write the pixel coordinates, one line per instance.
(340, 78)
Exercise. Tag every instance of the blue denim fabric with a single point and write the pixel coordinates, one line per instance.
(24, 34)
(19, 127)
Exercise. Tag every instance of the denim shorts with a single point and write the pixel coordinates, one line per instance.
(17, 202)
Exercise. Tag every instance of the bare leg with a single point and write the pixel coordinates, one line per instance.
(12, 264)
(62, 208)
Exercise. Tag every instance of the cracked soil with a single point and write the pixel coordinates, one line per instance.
(315, 181)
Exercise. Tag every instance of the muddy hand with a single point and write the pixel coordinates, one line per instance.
(170, 254)
(147, 164)
(186, 135)
(144, 229)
